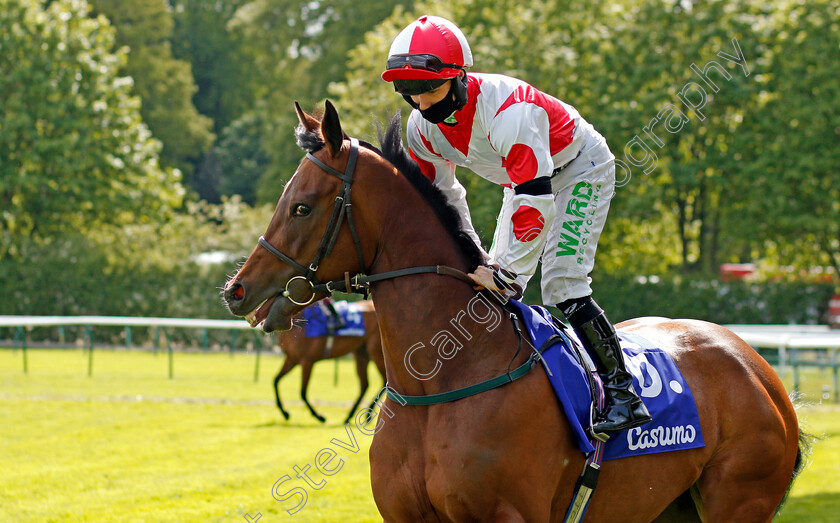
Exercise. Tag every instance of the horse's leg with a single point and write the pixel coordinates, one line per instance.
(750, 470)
(306, 369)
(741, 484)
(288, 364)
(361, 357)
(681, 510)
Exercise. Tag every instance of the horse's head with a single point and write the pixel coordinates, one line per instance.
(312, 237)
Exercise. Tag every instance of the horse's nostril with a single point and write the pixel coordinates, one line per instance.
(235, 292)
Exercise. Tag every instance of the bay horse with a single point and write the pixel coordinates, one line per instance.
(305, 351)
(506, 454)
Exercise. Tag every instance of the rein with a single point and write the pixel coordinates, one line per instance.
(492, 383)
(358, 283)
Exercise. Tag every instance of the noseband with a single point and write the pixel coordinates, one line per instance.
(342, 208)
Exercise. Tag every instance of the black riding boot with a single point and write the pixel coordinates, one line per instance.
(624, 407)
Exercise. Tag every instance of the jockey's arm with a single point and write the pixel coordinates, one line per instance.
(456, 195)
(521, 233)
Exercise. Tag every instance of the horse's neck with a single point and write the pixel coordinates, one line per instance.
(438, 334)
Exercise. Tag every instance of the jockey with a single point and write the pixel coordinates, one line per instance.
(558, 176)
(334, 320)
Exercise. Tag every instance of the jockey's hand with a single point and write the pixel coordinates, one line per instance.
(483, 278)
(486, 277)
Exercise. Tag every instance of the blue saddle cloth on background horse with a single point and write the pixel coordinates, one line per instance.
(319, 321)
(675, 424)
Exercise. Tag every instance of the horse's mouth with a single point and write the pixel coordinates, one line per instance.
(272, 313)
(256, 316)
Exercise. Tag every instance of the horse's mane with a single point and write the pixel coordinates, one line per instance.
(394, 152)
(309, 141)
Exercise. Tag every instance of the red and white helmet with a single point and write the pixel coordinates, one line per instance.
(430, 48)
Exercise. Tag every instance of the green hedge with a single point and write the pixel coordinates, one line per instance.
(144, 270)
(736, 302)
(86, 283)
(83, 282)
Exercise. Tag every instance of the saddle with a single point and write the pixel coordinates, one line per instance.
(578, 387)
(675, 425)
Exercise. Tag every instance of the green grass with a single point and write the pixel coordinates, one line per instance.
(129, 444)
(815, 496)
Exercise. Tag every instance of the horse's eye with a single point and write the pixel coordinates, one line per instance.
(301, 209)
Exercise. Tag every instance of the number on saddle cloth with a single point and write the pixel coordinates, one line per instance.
(675, 425)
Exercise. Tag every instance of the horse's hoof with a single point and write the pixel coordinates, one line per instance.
(285, 415)
(322, 419)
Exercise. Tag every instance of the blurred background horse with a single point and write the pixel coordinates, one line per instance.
(359, 336)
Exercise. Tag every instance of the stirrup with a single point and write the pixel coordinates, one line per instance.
(590, 430)
(600, 436)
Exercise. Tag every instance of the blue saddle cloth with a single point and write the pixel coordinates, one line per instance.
(675, 424)
(318, 320)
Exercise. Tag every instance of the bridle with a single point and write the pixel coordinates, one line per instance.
(359, 282)
(342, 208)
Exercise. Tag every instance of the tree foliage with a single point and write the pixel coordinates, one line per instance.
(300, 48)
(164, 84)
(235, 165)
(719, 159)
(793, 167)
(222, 61)
(74, 152)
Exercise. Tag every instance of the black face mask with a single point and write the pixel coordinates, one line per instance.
(453, 101)
(442, 110)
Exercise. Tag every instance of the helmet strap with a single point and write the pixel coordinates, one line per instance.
(459, 89)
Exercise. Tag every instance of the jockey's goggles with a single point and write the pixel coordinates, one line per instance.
(427, 62)
(415, 87)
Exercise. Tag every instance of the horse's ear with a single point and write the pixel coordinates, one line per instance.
(308, 122)
(331, 129)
